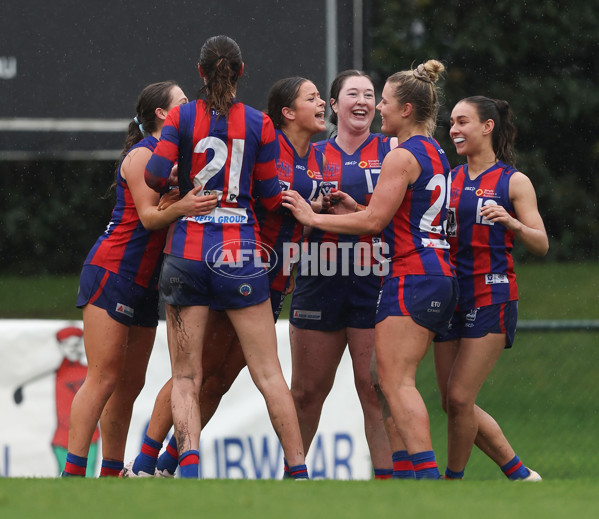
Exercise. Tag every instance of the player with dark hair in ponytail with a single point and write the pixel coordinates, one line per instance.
(491, 204)
(226, 148)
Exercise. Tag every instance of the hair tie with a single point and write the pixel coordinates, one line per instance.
(139, 125)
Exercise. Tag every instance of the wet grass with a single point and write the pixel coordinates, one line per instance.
(547, 291)
(64, 499)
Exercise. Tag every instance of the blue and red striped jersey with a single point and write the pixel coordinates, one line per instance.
(355, 174)
(302, 174)
(416, 235)
(233, 157)
(126, 247)
(481, 250)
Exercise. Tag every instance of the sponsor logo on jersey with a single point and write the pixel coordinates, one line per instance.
(486, 193)
(221, 215)
(496, 279)
(284, 168)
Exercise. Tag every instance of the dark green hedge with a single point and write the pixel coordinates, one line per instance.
(540, 55)
(52, 213)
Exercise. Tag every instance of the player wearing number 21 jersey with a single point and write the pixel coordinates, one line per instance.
(220, 162)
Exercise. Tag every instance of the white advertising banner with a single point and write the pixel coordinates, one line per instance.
(38, 377)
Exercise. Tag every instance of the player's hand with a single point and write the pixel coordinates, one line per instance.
(291, 285)
(173, 178)
(194, 204)
(169, 199)
(340, 203)
(301, 209)
(317, 206)
(495, 213)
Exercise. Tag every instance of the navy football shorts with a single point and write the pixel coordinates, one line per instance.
(478, 322)
(429, 300)
(185, 282)
(125, 301)
(330, 303)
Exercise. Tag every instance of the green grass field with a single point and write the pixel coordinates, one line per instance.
(547, 291)
(543, 392)
(64, 499)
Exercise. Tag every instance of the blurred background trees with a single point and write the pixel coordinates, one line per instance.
(540, 55)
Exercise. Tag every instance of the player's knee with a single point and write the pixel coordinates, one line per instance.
(457, 401)
(307, 397)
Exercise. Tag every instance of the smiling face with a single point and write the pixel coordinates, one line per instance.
(355, 104)
(468, 133)
(308, 108)
(390, 110)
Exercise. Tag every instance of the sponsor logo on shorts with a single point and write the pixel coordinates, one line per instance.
(434, 307)
(124, 309)
(245, 289)
(175, 281)
(313, 315)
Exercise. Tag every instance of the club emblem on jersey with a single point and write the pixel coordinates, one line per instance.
(245, 289)
(452, 224)
(328, 186)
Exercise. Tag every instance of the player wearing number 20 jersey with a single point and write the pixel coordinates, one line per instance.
(416, 284)
(417, 233)
(235, 159)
